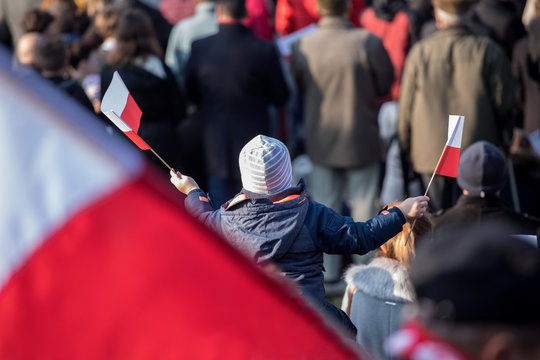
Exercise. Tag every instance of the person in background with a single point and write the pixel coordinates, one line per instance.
(92, 58)
(502, 18)
(526, 163)
(258, 18)
(482, 174)
(51, 59)
(137, 57)
(234, 79)
(526, 70)
(294, 15)
(87, 72)
(452, 71)
(389, 20)
(105, 24)
(37, 20)
(377, 292)
(340, 73)
(272, 220)
(11, 13)
(162, 28)
(25, 49)
(478, 292)
(198, 26)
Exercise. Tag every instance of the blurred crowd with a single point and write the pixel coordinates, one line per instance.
(362, 102)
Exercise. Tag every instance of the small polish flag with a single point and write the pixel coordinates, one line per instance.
(449, 160)
(118, 105)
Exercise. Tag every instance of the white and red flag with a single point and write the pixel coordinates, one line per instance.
(98, 259)
(449, 160)
(118, 105)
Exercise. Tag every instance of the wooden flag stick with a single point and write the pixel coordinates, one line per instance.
(433, 175)
(425, 194)
(159, 157)
(414, 222)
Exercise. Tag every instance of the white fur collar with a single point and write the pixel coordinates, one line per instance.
(382, 278)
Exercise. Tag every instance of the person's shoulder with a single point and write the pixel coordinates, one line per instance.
(201, 46)
(205, 42)
(522, 223)
(256, 41)
(450, 216)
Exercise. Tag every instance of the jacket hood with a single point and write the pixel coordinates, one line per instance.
(265, 228)
(383, 278)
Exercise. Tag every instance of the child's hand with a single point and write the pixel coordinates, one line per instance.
(183, 183)
(414, 207)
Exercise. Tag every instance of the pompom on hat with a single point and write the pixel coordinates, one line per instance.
(265, 166)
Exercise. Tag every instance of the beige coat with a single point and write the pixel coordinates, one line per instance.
(453, 72)
(340, 71)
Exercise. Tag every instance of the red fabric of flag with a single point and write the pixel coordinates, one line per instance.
(120, 107)
(449, 160)
(131, 114)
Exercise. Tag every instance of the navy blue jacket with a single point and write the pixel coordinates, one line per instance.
(294, 232)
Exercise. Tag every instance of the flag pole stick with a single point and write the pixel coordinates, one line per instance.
(425, 194)
(159, 157)
(432, 176)
(414, 222)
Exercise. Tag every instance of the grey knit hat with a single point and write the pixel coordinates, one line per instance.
(265, 166)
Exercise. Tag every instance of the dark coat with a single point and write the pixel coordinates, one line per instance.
(294, 234)
(503, 19)
(162, 105)
(528, 86)
(233, 77)
(72, 87)
(474, 209)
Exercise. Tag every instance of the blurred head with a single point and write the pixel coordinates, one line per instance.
(93, 7)
(480, 289)
(106, 21)
(265, 166)
(36, 20)
(64, 18)
(234, 9)
(70, 4)
(50, 53)
(396, 249)
(482, 169)
(134, 38)
(26, 47)
(333, 7)
(451, 12)
(455, 7)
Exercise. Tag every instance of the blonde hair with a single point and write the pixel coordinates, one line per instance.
(396, 249)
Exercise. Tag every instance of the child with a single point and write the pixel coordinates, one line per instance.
(271, 220)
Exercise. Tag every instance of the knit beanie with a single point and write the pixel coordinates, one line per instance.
(265, 166)
(482, 169)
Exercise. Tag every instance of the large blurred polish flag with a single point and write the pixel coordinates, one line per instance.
(99, 261)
